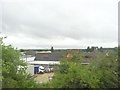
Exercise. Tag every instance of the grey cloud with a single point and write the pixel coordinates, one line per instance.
(49, 20)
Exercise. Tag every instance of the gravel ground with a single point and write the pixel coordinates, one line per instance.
(43, 78)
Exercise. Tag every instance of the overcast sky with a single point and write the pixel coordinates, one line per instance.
(60, 23)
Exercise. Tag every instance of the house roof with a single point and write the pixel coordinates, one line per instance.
(94, 53)
(55, 56)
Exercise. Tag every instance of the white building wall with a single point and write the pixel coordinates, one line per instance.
(30, 69)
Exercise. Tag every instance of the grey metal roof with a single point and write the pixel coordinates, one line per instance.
(55, 56)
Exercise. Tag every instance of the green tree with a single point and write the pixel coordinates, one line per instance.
(101, 49)
(100, 73)
(88, 49)
(11, 77)
(107, 69)
(52, 49)
(22, 50)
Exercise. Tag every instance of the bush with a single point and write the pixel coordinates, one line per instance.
(98, 74)
(11, 78)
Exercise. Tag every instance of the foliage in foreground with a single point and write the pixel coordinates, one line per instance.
(11, 77)
(102, 73)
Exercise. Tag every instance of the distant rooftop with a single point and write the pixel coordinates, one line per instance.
(43, 52)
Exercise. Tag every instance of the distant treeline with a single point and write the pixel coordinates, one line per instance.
(22, 50)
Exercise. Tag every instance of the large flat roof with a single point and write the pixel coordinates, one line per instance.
(44, 62)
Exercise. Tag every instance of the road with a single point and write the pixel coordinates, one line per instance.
(43, 78)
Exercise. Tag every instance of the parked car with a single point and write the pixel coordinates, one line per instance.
(47, 70)
(41, 69)
(51, 69)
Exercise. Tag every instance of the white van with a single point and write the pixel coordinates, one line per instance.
(41, 69)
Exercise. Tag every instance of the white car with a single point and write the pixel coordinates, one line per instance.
(41, 69)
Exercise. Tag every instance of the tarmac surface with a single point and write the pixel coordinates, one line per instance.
(43, 78)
